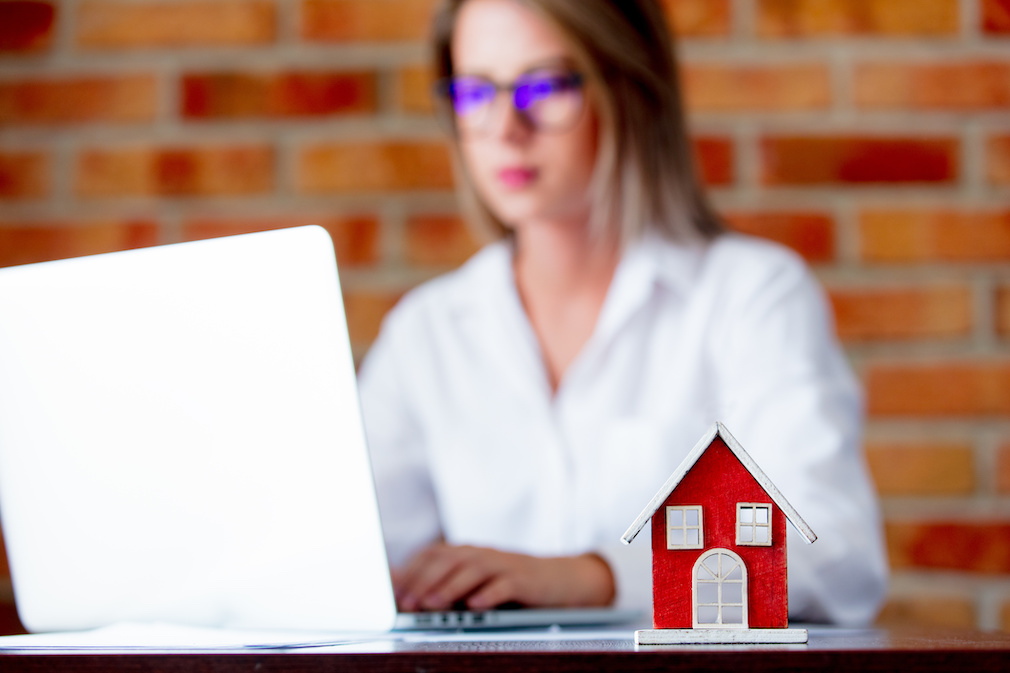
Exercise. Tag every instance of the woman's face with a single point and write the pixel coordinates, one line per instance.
(523, 173)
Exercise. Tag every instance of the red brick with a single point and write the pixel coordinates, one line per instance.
(23, 175)
(414, 89)
(30, 242)
(811, 160)
(978, 85)
(116, 25)
(5, 570)
(999, 160)
(981, 547)
(812, 235)
(935, 234)
(715, 160)
(867, 314)
(439, 240)
(375, 167)
(128, 98)
(807, 18)
(996, 17)
(1003, 469)
(355, 238)
(176, 171)
(385, 20)
(366, 20)
(944, 389)
(1003, 310)
(10, 623)
(26, 26)
(741, 88)
(922, 469)
(933, 611)
(293, 94)
(699, 18)
(365, 311)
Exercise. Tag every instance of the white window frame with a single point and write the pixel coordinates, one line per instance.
(719, 581)
(753, 523)
(684, 509)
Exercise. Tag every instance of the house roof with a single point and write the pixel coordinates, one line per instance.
(719, 430)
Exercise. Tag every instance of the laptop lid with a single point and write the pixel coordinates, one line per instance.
(181, 441)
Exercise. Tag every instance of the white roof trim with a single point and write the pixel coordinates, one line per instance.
(718, 429)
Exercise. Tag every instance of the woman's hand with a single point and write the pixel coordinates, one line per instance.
(442, 575)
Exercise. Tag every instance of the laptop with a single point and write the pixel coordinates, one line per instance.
(181, 442)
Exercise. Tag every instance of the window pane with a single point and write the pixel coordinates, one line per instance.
(735, 574)
(732, 615)
(692, 536)
(761, 535)
(732, 592)
(762, 515)
(677, 537)
(708, 615)
(675, 518)
(746, 534)
(692, 517)
(712, 563)
(746, 515)
(708, 592)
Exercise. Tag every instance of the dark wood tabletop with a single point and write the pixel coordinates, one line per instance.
(904, 650)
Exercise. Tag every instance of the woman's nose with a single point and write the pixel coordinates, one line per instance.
(510, 123)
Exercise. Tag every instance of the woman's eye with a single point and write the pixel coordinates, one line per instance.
(466, 96)
(533, 90)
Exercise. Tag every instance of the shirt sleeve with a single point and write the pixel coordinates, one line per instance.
(406, 496)
(790, 398)
(631, 566)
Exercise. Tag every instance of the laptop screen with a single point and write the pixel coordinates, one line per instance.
(180, 440)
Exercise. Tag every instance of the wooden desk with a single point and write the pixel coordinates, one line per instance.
(859, 652)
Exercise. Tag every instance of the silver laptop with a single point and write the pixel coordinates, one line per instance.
(181, 442)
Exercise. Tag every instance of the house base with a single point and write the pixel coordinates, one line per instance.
(719, 636)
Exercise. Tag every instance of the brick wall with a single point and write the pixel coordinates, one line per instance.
(872, 136)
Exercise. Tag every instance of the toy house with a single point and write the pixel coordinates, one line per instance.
(719, 550)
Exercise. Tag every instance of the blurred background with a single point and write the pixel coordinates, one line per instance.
(871, 136)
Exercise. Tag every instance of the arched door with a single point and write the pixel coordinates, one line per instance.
(720, 591)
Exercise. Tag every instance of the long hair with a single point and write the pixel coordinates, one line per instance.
(645, 176)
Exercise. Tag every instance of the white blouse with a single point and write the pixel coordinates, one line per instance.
(470, 443)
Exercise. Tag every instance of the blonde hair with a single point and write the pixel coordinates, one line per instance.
(645, 177)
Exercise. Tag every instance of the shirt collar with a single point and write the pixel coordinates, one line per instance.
(660, 261)
(649, 266)
(651, 261)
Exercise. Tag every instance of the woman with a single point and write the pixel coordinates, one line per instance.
(522, 410)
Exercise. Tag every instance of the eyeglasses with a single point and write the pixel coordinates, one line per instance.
(548, 99)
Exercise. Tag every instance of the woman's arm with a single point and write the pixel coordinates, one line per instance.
(407, 503)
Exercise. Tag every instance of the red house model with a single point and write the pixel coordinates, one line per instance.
(719, 550)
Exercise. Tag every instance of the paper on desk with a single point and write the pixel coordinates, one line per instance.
(153, 637)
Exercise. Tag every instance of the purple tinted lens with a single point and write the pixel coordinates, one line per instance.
(532, 89)
(470, 95)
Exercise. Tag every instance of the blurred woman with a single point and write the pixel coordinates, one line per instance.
(523, 409)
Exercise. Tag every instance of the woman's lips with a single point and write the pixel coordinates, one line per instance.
(516, 177)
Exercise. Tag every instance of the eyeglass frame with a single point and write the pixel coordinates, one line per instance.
(443, 92)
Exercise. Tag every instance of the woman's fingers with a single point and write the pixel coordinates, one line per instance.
(469, 574)
(426, 571)
(442, 575)
(500, 589)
